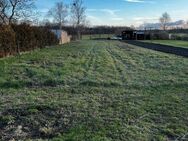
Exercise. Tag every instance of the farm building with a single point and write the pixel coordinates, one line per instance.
(145, 35)
(62, 36)
(134, 35)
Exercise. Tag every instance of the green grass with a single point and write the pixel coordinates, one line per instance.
(96, 36)
(94, 91)
(174, 43)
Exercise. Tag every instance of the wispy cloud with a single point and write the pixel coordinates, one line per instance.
(141, 20)
(110, 12)
(140, 1)
(145, 18)
(135, 1)
(112, 17)
(118, 19)
(94, 19)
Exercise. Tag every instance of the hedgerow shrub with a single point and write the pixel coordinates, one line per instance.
(23, 37)
(7, 41)
(179, 37)
(162, 35)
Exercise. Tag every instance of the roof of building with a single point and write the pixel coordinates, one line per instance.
(134, 31)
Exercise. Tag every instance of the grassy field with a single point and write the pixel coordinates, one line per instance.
(96, 36)
(94, 91)
(175, 43)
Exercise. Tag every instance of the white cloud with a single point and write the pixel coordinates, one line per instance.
(110, 12)
(111, 17)
(135, 1)
(140, 1)
(111, 21)
(91, 10)
(118, 19)
(141, 20)
(145, 18)
(94, 20)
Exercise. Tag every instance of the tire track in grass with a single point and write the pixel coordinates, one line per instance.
(115, 66)
(107, 67)
(88, 63)
(117, 63)
(131, 65)
(99, 66)
(89, 69)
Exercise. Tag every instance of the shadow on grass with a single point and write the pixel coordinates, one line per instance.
(30, 84)
(35, 122)
(99, 84)
(13, 84)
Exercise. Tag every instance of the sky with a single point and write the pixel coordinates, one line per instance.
(125, 12)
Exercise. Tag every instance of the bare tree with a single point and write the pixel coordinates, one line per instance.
(3, 7)
(78, 15)
(12, 10)
(132, 27)
(164, 20)
(59, 13)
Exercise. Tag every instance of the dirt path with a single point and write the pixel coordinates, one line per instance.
(162, 48)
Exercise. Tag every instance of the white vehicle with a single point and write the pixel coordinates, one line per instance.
(116, 38)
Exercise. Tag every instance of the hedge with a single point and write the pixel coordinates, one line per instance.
(7, 41)
(19, 38)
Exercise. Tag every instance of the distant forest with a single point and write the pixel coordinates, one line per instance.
(92, 30)
(179, 31)
(105, 29)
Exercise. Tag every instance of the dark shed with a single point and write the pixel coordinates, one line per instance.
(128, 35)
(133, 35)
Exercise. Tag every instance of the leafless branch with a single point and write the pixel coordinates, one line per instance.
(78, 15)
(59, 13)
(164, 20)
(11, 10)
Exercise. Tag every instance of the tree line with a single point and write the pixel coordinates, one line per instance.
(85, 30)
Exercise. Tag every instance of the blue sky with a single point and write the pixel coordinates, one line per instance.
(126, 12)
